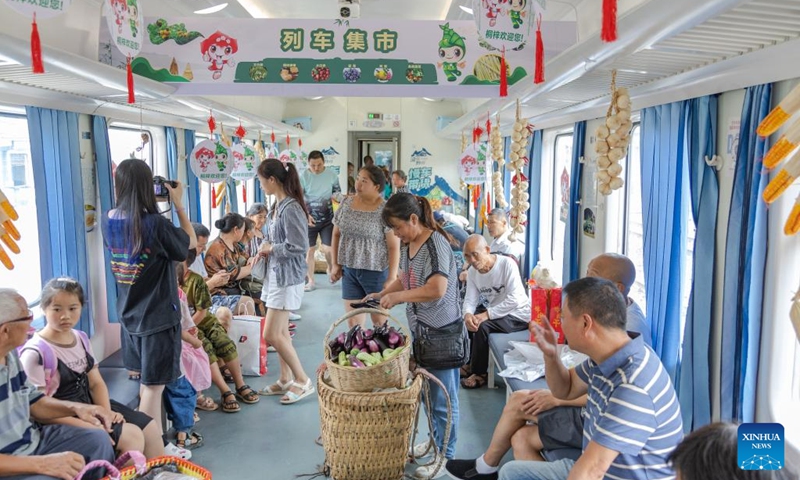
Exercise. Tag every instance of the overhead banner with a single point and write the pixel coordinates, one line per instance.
(323, 57)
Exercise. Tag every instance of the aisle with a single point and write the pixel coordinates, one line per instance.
(273, 441)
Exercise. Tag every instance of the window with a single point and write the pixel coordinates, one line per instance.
(633, 224)
(130, 143)
(16, 170)
(562, 161)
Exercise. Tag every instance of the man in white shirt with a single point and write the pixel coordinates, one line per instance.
(496, 279)
(498, 228)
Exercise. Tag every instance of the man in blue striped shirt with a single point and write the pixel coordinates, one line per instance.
(632, 419)
(29, 450)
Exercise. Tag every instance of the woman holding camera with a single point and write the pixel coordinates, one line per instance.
(226, 254)
(427, 284)
(144, 246)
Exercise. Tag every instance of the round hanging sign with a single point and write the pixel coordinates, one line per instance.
(43, 9)
(473, 164)
(211, 161)
(504, 23)
(297, 158)
(244, 162)
(124, 19)
(271, 151)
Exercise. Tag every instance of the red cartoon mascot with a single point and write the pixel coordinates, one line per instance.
(120, 9)
(218, 50)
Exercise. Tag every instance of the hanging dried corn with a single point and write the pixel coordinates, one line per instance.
(788, 174)
(612, 139)
(517, 160)
(780, 114)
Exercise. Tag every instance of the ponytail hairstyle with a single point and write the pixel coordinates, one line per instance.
(133, 186)
(402, 205)
(180, 272)
(286, 175)
(230, 221)
(61, 284)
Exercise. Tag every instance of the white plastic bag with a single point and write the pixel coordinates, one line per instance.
(246, 333)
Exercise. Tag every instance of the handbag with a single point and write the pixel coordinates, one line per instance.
(441, 348)
(246, 333)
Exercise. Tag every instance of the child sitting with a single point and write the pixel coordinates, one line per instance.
(59, 360)
(216, 342)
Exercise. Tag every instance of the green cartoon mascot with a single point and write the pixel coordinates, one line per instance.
(517, 11)
(133, 17)
(451, 50)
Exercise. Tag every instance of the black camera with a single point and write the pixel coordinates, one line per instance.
(159, 188)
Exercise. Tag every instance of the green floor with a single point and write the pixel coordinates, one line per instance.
(273, 441)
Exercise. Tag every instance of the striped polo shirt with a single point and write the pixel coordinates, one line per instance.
(18, 435)
(632, 409)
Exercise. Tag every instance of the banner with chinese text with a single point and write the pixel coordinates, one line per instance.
(285, 57)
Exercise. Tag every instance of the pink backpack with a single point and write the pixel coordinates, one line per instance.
(47, 357)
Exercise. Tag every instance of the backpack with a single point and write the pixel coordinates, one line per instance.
(47, 357)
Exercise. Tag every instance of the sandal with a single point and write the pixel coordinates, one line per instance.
(249, 397)
(229, 403)
(196, 417)
(226, 374)
(465, 371)
(474, 381)
(135, 376)
(189, 441)
(277, 388)
(306, 389)
(206, 403)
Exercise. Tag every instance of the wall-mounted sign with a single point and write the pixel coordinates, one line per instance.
(303, 123)
(322, 57)
(419, 178)
(421, 157)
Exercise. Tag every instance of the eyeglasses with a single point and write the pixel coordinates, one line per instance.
(23, 319)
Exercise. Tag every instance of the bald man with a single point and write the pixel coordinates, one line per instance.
(620, 270)
(496, 279)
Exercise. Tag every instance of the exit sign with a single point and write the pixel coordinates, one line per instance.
(374, 116)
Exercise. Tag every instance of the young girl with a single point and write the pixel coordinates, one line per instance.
(285, 247)
(76, 377)
(427, 284)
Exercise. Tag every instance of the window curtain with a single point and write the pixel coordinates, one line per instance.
(192, 184)
(745, 261)
(534, 175)
(572, 234)
(172, 163)
(258, 194)
(105, 183)
(56, 155)
(694, 385)
(663, 130)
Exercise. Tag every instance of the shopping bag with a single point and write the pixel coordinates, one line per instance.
(246, 333)
(196, 366)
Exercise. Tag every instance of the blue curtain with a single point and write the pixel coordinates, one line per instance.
(745, 258)
(572, 234)
(105, 183)
(534, 175)
(694, 388)
(192, 184)
(56, 155)
(172, 162)
(663, 210)
(258, 194)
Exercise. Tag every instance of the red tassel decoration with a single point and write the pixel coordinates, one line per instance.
(488, 126)
(272, 137)
(503, 75)
(240, 132)
(300, 143)
(477, 133)
(212, 124)
(213, 197)
(538, 76)
(244, 192)
(131, 96)
(609, 30)
(288, 140)
(36, 48)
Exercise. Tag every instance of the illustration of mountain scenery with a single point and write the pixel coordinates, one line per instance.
(329, 151)
(421, 153)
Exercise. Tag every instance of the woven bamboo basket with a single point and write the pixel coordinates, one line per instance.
(366, 435)
(387, 374)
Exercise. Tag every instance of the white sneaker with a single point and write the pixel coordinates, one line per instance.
(175, 451)
(421, 450)
(293, 317)
(426, 472)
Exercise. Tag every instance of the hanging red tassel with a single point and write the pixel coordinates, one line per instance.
(131, 96)
(538, 76)
(609, 30)
(288, 140)
(212, 124)
(244, 192)
(213, 197)
(503, 75)
(300, 143)
(488, 126)
(272, 137)
(36, 48)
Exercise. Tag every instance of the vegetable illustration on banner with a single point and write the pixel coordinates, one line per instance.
(473, 165)
(40, 10)
(244, 162)
(211, 161)
(124, 20)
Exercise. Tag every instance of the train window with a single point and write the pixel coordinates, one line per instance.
(130, 143)
(633, 226)
(17, 184)
(562, 162)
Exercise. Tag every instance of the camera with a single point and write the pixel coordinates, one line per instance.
(159, 188)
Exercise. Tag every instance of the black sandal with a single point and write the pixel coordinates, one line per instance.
(250, 397)
(229, 403)
(226, 375)
(190, 440)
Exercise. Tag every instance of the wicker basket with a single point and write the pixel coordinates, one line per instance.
(387, 374)
(366, 435)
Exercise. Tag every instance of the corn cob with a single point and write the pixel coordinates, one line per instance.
(784, 147)
(793, 222)
(7, 207)
(785, 177)
(778, 116)
(5, 260)
(6, 238)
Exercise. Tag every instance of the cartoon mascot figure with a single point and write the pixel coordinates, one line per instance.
(452, 50)
(204, 157)
(218, 50)
(120, 9)
(493, 10)
(517, 12)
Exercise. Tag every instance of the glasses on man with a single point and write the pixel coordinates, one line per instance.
(28, 318)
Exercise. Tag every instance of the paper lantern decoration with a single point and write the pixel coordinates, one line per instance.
(40, 10)
(244, 162)
(125, 25)
(474, 164)
(211, 161)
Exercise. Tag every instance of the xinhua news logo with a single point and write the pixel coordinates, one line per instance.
(761, 446)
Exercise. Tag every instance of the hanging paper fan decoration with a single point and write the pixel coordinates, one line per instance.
(38, 10)
(211, 161)
(125, 25)
(244, 162)
(473, 164)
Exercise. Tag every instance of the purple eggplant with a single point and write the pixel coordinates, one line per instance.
(354, 362)
(395, 340)
(349, 342)
(368, 334)
(341, 338)
(373, 346)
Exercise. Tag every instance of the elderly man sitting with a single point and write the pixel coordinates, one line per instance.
(29, 450)
(496, 279)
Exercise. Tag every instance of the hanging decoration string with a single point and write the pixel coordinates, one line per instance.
(609, 30)
(538, 76)
(36, 48)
